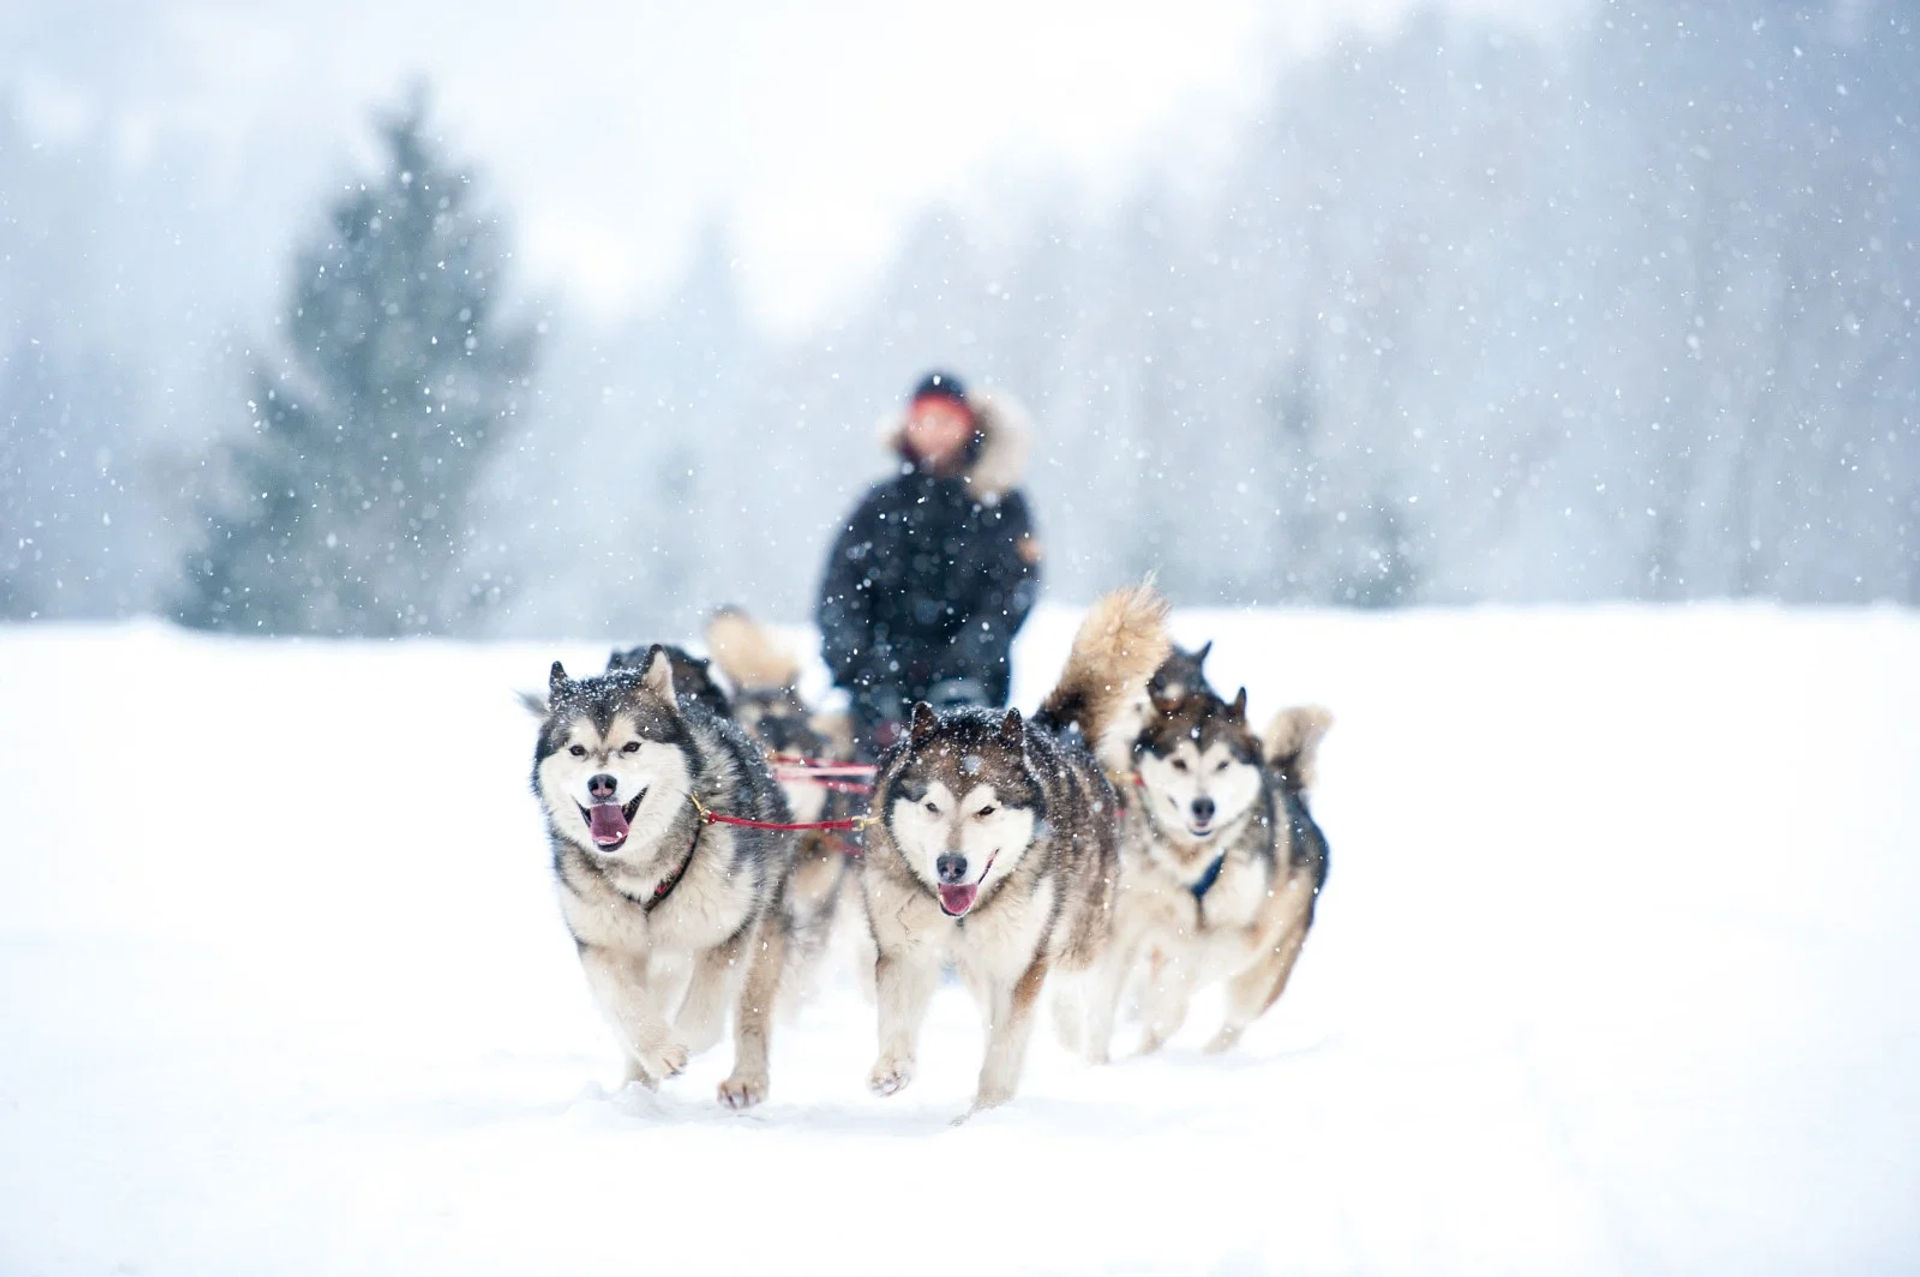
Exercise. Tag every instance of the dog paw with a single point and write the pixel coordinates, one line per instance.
(743, 1090)
(889, 1076)
(1150, 1043)
(1222, 1041)
(665, 1062)
(990, 1098)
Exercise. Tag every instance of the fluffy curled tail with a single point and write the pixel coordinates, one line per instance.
(751, 658)
(1292, 745)
(1118, 647)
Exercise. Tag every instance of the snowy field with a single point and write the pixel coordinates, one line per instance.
(1618, 971)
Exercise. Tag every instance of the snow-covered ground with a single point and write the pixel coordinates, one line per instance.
(1618, 971)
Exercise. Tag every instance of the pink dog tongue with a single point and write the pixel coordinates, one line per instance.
(608, 822)
(957, 900)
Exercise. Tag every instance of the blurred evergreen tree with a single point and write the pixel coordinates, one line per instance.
(347, 502)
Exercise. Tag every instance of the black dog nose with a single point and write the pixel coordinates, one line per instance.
(1203, 809)
(602, 787)
(952, 869)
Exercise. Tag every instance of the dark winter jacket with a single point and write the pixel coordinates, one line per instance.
(931, 577)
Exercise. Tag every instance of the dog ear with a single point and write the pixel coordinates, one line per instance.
(1012, 729)
(556, 680)
(1238, 710)
(923, 723)
(1163, 705)
(1200, 657)
(658, 677)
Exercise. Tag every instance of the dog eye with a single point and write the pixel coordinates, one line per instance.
(934, 808)
(1179, 764)
(986, 811)
(1221, 765)
(633, 747)
(578, 751)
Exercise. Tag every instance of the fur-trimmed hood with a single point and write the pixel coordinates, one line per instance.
(1006, 436)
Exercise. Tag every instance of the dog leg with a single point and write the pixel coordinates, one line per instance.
(817, 892)
(1169, 989)
(1007, 1036)
(752, 1019)
(1070, 999)
(703, 1013)
(1250, 993)
(903, 986)
(1104, 984)
(632, 1001)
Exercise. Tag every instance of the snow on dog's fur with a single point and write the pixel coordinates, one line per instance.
(996, 848)
(665, 908)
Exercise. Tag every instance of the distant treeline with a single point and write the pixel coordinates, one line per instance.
(1627, 312)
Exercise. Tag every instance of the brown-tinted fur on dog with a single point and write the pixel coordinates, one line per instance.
(1181, 674)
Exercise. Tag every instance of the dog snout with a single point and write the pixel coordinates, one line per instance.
(1203, 809)
(602, 788)
(952, 869)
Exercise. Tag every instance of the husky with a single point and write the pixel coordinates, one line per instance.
(767, 703)
(994, 846)
(1221, 865)
(662, 904)
(692, 675)
(1180, 675)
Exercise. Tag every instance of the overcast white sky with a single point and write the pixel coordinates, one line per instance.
(611, 130)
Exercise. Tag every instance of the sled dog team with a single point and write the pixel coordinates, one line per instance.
(1133, 840)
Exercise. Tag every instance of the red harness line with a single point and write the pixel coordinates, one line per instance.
(819, 771)
(789, 767)
(837, 786)
(824, 766)
(712, 817)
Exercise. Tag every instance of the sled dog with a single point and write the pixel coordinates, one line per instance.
(1181, 674)
(667, 910)
(995, 847)
(692, 675)
(1221, 865)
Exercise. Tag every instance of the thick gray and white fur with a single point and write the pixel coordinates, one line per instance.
(1222, 866)
(996, 850)
(675, 919)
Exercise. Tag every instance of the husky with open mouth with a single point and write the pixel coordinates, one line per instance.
(1221, 865)
(674, 917)
(995, 848)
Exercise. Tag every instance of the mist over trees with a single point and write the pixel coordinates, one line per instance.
(1621, 312)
